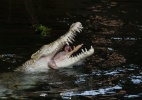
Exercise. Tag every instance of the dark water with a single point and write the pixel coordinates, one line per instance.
(113, 72)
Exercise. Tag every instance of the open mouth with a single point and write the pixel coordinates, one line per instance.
(77, 28)
(69, 38)
(68, 58)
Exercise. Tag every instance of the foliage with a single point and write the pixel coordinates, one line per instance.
(43, 30)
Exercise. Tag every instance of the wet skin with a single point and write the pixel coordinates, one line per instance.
(63, 55)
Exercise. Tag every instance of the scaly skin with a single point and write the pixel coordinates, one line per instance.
(40, 60)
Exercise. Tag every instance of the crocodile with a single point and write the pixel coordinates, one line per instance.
(33, 71)
(47, 56)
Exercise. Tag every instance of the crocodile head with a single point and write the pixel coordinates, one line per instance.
(40, 60)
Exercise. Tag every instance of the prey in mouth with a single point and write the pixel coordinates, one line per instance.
(65, 54)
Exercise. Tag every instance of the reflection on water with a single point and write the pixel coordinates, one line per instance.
(120, 75)
(127, 38)
(112, 27)
(101, 91)
(11, 58)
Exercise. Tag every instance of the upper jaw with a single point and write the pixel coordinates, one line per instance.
(54, 47)
(69, 36)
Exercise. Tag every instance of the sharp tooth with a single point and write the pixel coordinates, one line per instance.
(73, 39)
(72, 31)
(73, 36)
(81, 27)
(82, 50)
(80, 55)
(78, 30)
(67, 43)
(70, 41)
(77, 56)
(85, 49)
